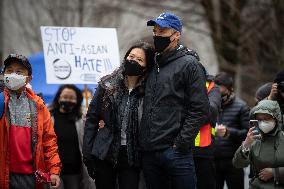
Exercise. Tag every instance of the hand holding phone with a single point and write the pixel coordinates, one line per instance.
(256, 131)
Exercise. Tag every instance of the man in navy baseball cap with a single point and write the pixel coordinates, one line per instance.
(175, 107)
(167, 30)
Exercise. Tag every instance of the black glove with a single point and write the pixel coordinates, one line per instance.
(90, 164)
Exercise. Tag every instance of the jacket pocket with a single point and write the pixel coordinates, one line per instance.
(102, 143)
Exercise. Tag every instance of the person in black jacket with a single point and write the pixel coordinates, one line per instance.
(175, 107)
(231, 129)
(110, 152)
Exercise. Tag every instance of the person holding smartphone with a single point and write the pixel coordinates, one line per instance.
(265, 154)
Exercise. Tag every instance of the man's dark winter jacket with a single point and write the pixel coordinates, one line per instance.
(235, 115)
(175, 103)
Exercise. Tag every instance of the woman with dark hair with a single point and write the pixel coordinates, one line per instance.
(72, 104)
(111, 152)
(68, 126)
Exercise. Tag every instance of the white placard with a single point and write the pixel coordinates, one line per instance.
(79, 55)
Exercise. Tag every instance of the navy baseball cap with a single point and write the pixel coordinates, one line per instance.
(167, 20)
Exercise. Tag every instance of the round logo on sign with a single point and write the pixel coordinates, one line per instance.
(62, 68)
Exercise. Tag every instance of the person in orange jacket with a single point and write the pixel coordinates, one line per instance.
(27, 139)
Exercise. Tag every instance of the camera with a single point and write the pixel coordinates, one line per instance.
(256, 131)
(280, 86)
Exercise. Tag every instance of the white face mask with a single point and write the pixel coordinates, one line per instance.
(266, 126)
(14, 81)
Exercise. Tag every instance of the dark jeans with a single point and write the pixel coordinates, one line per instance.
(169, 169)
(107, 174)
(205, 173)
(225, 171)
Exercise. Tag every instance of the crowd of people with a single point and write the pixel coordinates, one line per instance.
(159, 121)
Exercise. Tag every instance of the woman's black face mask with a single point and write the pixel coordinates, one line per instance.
(67, 106)
(133, 68)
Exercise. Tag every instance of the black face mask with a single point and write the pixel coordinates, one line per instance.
(161, 43)
(225, 97)
(67, 106)
(133, 68)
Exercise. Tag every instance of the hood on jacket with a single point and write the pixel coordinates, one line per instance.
(166, 57)
(270, 107)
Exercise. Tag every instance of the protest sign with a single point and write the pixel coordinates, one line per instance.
(79, 55)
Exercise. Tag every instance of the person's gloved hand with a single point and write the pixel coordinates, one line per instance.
(90, 164)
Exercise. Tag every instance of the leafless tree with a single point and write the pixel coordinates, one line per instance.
(247, 34)
(248, 38)
(28, 15)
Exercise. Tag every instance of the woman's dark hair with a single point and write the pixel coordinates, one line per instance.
(118, 75)
(77, 109)
(148, 50)
(116, 78)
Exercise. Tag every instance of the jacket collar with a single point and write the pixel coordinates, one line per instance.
(164, 58)
(30, 94)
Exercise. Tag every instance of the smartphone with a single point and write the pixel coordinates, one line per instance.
(256, 131)
(42, 177)
(253, 123)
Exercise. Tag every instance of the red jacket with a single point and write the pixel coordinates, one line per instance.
(46, 157)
